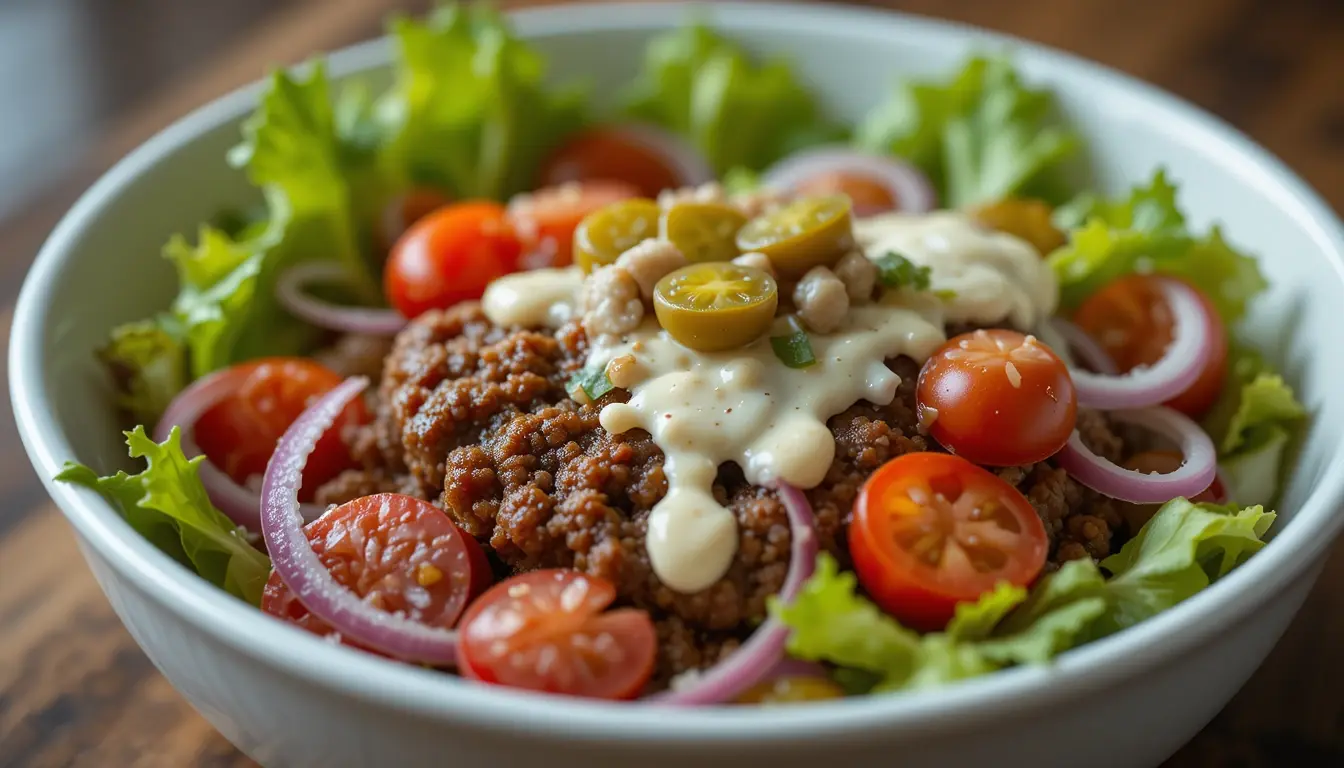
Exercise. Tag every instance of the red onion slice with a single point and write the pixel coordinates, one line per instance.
(1194, 475)
(302, 571)
(763, 651)
(242, 505)
(289, 290)
(906, 183)
(1084, 347)
(1178, 369)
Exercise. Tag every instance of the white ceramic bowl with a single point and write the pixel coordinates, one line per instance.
(288, 699)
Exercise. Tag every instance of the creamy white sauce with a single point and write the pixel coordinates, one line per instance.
(979, 275)
(540, 298)
(747, 407)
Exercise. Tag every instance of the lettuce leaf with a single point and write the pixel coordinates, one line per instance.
(291, 149)
(1253, 424)
(832, 622)
(469, 112)
(981, 136)
(1182, 549)
(1147, 232)
(1179, 552)
(148, 364)
(167, 504)
(219, 280)
(738, 113)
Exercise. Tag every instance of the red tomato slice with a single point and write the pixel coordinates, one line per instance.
(1131, 321)
(931, 530)
(450, 256)
(239, 433)
(614, 155)
(546, 631)
(868, 194)
(546, 219)
(396, 552)
(997, 397)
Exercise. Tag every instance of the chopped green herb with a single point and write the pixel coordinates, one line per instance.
(945, 294)
(593, 382)
(794, 350)
(896, 271)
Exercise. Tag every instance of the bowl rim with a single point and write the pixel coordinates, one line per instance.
(412, 690)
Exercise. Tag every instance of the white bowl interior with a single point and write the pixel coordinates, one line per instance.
(102, 267)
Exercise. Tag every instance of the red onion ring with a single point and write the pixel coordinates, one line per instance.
(1087, 350)
(763, 651)
(906, 183)
(289, 290)
(1173, 374)
(302, 571)
(692, 169)
(1194, 475)
(240, 504)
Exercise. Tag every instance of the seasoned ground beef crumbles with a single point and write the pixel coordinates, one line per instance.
(476, 418)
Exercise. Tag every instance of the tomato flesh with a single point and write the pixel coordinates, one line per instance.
(1130, 319)
(997, 397)
(547, 631)
(868, 194)
(546, 219)
(450, 256)
(398, 553)
(238, 434)
(931, 530)
(611, 154)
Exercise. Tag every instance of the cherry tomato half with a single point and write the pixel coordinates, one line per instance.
(1131, 321)
(868, 194)
(397, 553)
(547, 631)
(997, 397)
(932, 530)
(450, 256)
(238, 434)
(546, 219)
(611, 154)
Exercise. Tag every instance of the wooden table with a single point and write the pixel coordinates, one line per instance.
(75, 689)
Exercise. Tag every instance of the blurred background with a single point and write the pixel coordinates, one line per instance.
(85, 81)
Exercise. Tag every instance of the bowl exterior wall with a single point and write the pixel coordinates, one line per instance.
(286, 722)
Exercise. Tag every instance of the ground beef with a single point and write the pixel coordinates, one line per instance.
(477, 419)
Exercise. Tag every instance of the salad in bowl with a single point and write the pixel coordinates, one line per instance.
(694, 396)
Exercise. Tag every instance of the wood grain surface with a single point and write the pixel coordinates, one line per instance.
(75, 689)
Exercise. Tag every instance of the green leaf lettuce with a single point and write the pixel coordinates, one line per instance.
(469, 112)
(981, 136)
(738, 113)
(167, 504)
(1253, 424)
(1147, 232)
